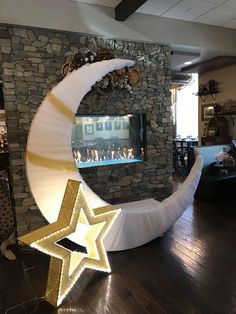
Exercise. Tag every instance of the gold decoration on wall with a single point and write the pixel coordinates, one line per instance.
(123, 78)
(134, 76)
(76, 219)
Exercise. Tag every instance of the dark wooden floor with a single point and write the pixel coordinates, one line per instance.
(192, 269)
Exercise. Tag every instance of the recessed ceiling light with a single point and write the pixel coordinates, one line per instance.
(188, 62)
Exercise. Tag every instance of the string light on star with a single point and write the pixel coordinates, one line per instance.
(88, 226)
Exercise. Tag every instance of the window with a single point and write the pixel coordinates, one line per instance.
(187, 109)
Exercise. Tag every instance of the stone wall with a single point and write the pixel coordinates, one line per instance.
(31, 61)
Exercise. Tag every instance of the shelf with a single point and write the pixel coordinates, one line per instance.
(203, 97)
(229, 114)
(232, 113)
(206, 94)
(215, 140)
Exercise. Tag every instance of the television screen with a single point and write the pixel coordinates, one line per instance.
(99, 140)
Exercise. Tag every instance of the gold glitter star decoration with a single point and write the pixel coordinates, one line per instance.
(87, 226)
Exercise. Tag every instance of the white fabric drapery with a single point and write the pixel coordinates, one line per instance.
(50, 164)
(142, 221)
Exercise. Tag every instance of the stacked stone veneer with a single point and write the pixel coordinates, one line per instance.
(31, 61)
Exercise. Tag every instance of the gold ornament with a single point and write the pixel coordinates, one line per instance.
(134, 76)
(120, 72)
(78, 220)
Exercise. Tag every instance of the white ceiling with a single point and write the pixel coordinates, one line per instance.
(213, 12)
(189, 39)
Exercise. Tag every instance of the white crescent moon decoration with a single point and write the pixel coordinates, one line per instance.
(50, 163)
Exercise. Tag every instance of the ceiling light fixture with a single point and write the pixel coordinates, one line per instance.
(188, 62)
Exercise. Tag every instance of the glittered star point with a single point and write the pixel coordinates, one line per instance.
(88, 227)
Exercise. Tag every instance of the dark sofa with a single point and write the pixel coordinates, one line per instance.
(215, 184)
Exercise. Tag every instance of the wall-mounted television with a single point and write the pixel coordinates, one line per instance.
(100, 140)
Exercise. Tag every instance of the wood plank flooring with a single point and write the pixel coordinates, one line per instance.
(192, 269)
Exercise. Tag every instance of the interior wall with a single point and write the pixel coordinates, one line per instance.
(32, 59)
(226, 77)
(2, 113)
(79, 17)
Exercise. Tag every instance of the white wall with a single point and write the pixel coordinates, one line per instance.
(79, 17)
(227, 78)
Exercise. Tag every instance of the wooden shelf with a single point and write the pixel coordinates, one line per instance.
(215, 140)
(228, 114)
(232, 113)
(203, 97)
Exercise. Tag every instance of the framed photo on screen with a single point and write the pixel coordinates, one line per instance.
(99, 126)
(89, 130)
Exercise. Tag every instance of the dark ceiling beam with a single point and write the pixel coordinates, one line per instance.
(127, 7)
(210, 65)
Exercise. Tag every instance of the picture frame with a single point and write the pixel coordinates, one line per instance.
(89, 129)
(125, 125)
(108, 126)
(207, 112)
(117, 125)
(99, 126)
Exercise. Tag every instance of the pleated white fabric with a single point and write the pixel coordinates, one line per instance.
(142, 221)
(175, 205)
(50, 139)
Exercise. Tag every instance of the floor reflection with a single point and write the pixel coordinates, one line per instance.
(191, 269)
